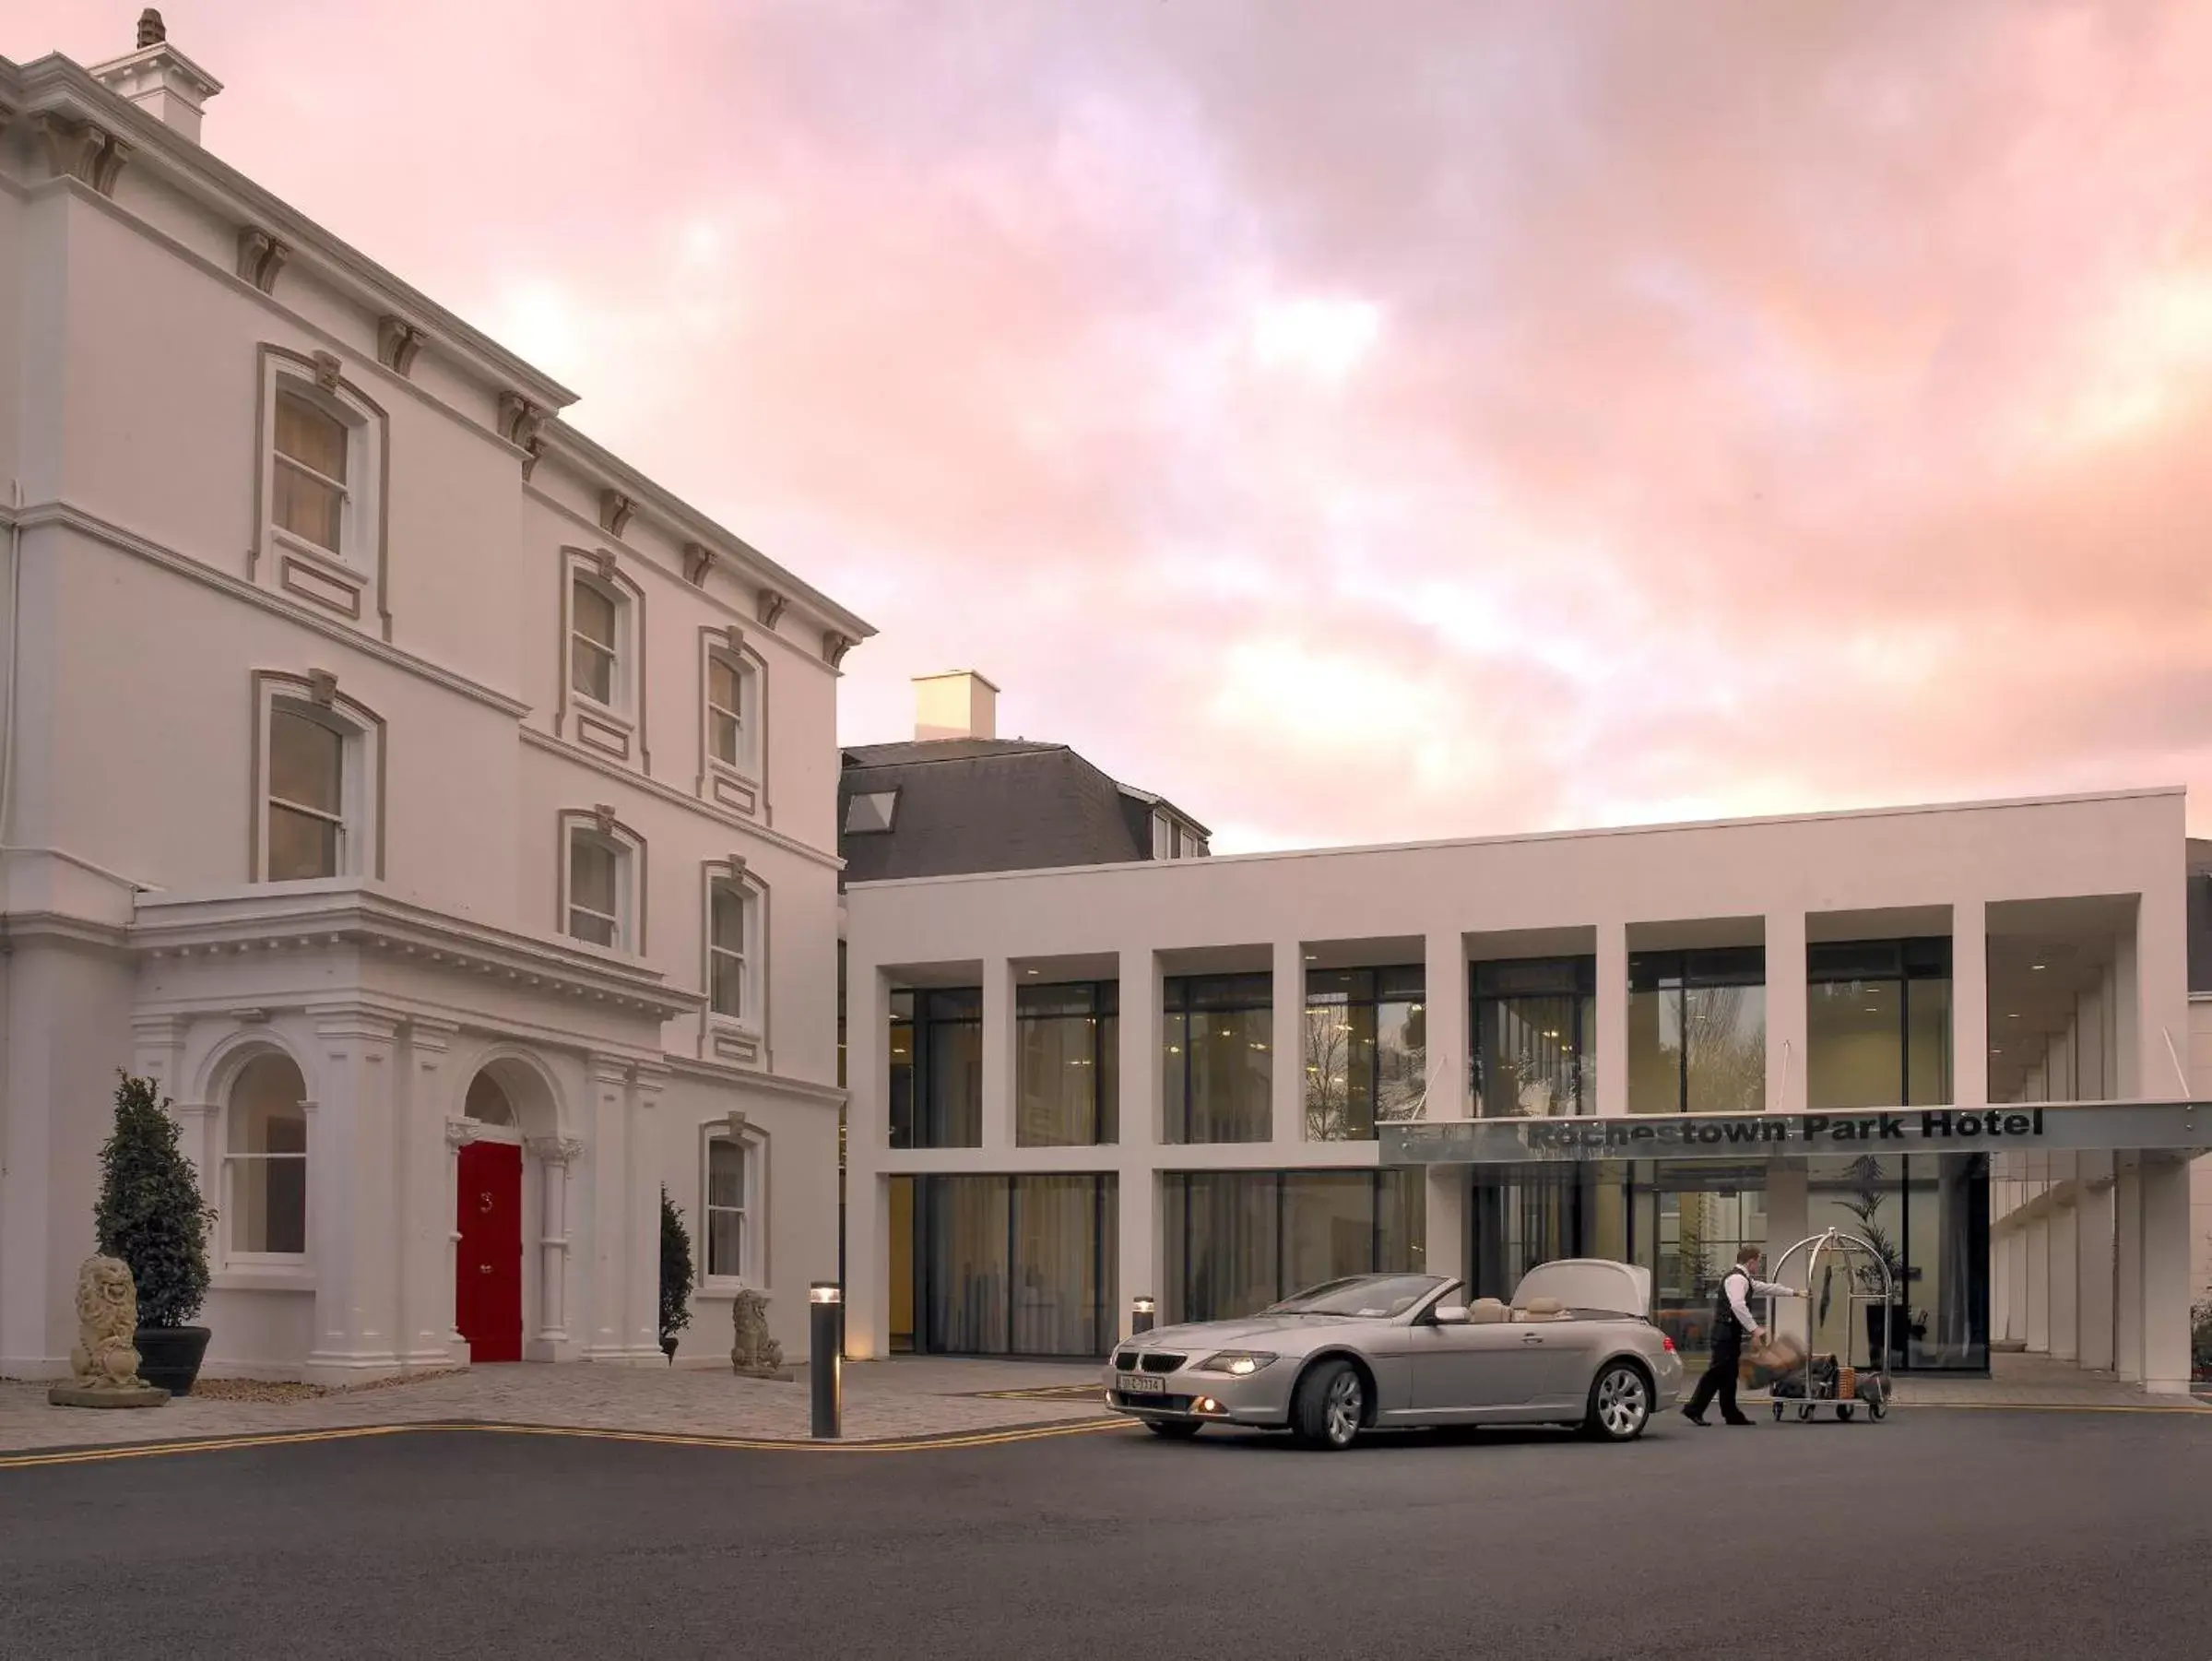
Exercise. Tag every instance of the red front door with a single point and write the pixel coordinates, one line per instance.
(488, 1298)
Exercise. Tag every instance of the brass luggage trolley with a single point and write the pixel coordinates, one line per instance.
(1834, 1381)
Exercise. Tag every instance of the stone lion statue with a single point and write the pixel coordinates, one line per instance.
(107, 1316)
(753, 1350)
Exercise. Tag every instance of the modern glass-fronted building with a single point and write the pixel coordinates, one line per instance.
(1075, 1088)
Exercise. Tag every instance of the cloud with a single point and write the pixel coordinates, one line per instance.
(1540, 413)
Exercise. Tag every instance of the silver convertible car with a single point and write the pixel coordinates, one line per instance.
(1575, 1347)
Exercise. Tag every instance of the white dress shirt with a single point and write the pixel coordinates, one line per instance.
(1739, 1285)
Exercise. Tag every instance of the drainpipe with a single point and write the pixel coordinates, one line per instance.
(7, 778)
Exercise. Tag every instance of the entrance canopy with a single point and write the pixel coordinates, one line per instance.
(2181, 1126)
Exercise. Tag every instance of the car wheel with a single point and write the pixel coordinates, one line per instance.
(1174, 1430)
(1620, 1404)
(1331, 1405)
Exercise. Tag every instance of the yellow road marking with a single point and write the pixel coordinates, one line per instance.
(915, 1444)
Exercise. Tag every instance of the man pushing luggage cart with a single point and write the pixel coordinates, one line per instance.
(1733, 1321)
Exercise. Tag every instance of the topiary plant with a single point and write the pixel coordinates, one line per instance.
(675, 1275)
(149, 1213)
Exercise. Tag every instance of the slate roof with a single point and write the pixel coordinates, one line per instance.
(968, 804)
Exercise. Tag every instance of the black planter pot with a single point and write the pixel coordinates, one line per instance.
(171, 1356)
(1900, 1323)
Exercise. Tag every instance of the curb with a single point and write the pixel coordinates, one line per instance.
(99, 1453)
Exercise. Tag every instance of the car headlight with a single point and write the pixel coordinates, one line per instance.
(1238, 1363)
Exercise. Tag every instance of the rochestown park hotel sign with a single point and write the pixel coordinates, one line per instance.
(2183, 1125)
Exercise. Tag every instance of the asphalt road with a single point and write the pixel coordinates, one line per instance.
(1935, 1534)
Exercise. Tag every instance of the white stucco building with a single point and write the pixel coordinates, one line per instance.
(1215, 1081)
(438, 809)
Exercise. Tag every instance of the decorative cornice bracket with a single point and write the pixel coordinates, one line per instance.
(397, 342)
(771, 607)
(616, 511)
(260, 257)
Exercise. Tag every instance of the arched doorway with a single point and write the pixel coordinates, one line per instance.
(487, 1262)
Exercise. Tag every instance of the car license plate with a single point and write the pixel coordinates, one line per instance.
(1136, 1383)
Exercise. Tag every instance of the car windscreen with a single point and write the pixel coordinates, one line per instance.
(1370, 1296)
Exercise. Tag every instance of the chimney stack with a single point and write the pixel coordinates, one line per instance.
(159, 79)
(960, 704)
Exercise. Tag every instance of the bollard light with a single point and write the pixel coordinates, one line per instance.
(1142, 1314)
(825, 1305)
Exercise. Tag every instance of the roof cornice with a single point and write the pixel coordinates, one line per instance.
(295, 917)
(57, 83)
(685, 523)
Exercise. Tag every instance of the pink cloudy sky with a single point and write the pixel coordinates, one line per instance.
(1525, 415)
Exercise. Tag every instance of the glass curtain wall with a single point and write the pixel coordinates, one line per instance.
(1927, 1217)
(936, 1068)
(1240, 1241)
(1698, 1031)
(1007, 1265)
(1366, 1052)
(1878, 1024)
(1065, 1084)
(1216, 1034)
(1535, 1024)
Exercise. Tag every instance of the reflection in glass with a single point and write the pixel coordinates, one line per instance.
(936, 1068)
(265, 1158)
(1064, 1088)
(1366, 1052)
(1698, 1031)
(1877, 1023)
(1534, 1021)
(964, 1264)
(1240, 1241)
(1216, 1074)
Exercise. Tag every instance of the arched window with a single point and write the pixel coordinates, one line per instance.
(265, 1161)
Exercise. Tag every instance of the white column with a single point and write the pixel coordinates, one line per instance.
(1444, 1200)
(1789, 1207)
(1969, 1002)
(2131, 1061)
(610, 1140)
(460, 1134)
(644, 1168)
(999, 1052)
(1288, 1067)
(2093, 1260)
(1139, 1268)
(352, 1161)
(2165, 1283)
(2161, 965)
(2038, 1285)
(1786, 1011)
(866, 1142)
(2015, 1313)
(1137, 1245)
(554, 1155)
(2128, 1279)
(2000, 1281)
(2066, 1267)
(1444, 1015)
(1613, 1018)
(426, 1210)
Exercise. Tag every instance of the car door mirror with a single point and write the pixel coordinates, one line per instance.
(1451, 1314)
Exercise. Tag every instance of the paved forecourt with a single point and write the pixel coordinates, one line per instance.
(899, 1400)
